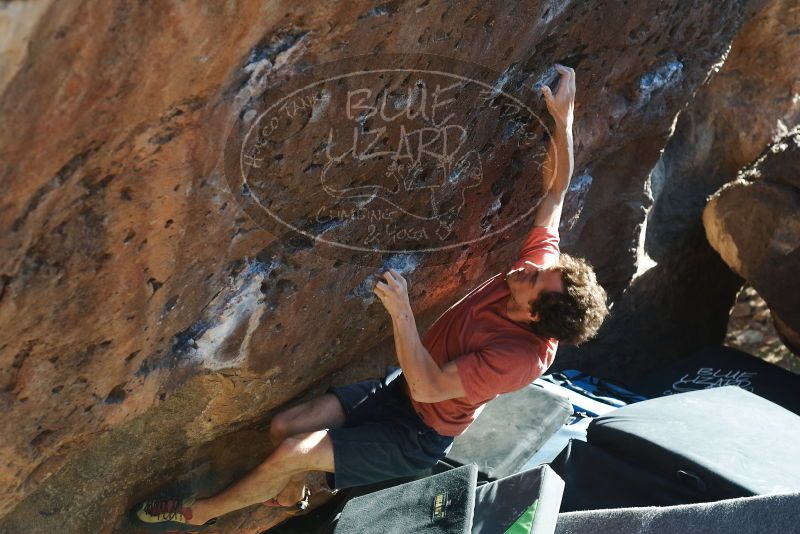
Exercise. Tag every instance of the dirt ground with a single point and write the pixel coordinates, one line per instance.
(752, 330)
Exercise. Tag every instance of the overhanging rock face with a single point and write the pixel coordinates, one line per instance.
(154, 312)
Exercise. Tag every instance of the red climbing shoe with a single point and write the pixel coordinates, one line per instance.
(169, 515)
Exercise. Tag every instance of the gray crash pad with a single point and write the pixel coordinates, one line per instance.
(510, 430)
(745, 515)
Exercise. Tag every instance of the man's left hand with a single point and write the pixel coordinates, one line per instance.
(561, 105)
(392, 289)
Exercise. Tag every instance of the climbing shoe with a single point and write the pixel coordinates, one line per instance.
(169, 515)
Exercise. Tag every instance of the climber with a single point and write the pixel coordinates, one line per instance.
(498, 338)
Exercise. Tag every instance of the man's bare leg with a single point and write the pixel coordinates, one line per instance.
(314, 415)
(317, 414)
(295, 455)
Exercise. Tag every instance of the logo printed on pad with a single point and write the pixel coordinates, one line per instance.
(439, 506)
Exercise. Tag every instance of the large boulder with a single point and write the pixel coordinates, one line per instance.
(154, 318)
(754, 225)
(676, 292)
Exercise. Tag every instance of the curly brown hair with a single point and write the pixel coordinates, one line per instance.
(575, 315)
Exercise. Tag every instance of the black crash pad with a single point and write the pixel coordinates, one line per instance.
(595, 479)
(451, 502)
(724, 366)
(722, 442)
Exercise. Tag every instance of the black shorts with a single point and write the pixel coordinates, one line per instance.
(382, 438)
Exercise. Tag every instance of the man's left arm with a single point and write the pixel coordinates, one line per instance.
(559, 163)
(426, 381)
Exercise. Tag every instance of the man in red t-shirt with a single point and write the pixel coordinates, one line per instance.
(498, 338)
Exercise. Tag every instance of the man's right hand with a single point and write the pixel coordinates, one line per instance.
(562, 104)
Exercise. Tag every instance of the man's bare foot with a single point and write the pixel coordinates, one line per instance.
(200, 513)
(293, 493)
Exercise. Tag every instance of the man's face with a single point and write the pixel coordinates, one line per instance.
(526, 283)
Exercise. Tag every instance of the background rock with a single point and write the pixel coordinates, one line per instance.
(680, 293)
(758, 318)
(754, 224)
(152, 327)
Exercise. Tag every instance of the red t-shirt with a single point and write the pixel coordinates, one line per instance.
(493, 354)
